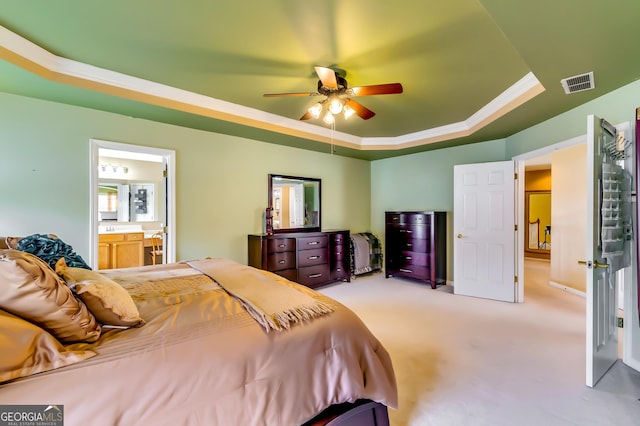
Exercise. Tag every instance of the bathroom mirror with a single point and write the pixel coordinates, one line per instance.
(295, 202)
(126, 201)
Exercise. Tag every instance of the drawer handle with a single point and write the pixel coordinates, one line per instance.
(406, 270)
(313, 257)
(409, 245)
(313, 243)
(408, 231)
(282, 245)
(281, 262)
(315, 275)
(408, 257)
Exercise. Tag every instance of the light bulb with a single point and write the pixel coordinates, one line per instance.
(348, 111)
(335, 106)
(328, 118)
(315, 110)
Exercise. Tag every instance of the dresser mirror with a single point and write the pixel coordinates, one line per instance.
(295, 202)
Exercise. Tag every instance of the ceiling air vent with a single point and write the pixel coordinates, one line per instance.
(578, 83)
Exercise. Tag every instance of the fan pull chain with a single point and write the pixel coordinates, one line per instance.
(333, 128)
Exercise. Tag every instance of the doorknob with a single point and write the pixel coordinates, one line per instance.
(594, 265)
(459, 236)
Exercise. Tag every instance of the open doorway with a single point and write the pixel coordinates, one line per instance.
(133, 200)
(568, 222)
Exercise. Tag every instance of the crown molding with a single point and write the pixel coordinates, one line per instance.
(33, 58)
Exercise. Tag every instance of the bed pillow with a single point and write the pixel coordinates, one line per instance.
(107, 300)
(49, 248)
(28, 349)
(30, 289)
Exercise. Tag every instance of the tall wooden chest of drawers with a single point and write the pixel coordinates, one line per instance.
(416, 246)
(313, 259)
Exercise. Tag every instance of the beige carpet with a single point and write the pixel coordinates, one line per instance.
(467, 361)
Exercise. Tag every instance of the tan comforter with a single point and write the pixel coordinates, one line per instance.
(202, 359)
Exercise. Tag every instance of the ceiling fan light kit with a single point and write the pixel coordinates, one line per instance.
(335, 105)
(338, 97)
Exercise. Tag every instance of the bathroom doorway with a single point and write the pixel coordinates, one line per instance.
(151, 205)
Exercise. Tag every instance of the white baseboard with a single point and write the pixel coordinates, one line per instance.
(568, 289)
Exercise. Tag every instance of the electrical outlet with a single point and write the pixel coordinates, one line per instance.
(620, 322)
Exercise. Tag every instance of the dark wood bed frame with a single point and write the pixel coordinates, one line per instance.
(360, 413)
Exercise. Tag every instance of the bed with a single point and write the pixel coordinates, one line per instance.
(192, 349)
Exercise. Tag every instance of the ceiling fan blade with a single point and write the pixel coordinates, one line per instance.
(362, 111)
(327, 77)
(276, 95)
(377, 89)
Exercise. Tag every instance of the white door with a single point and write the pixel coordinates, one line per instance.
(602, 332)
(484, 230)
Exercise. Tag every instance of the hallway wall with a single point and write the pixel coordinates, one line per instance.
(568, 216)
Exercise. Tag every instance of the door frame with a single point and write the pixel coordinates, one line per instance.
(169, 157)
(520, 161)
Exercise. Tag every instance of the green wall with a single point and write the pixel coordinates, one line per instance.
(221, 180)
(617, 107)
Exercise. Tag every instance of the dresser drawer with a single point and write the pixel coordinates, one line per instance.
(413, 244)
(314, 276)
(339, 272)
(313, 257)
(413, 231)
(416, 258)
(416, 219)
(281, 244)
(339, 255)
(282, 260)
(290, 274)
(422, 273)
(408, 219)
(393, 218)
(319, 241)
(338, 238)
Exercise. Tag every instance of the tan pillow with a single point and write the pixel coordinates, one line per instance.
(12, 242)
(27, 349)
(30, 289)
(107, 300)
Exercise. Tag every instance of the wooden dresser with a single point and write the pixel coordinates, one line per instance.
(416, 246)
(313, 259)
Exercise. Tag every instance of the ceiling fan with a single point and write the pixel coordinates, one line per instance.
(338, 96)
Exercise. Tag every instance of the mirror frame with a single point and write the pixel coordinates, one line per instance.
(272, 177)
